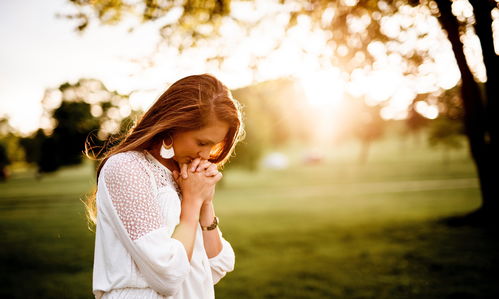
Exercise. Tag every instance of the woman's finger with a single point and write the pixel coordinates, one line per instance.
(210, 173)
(211, 170)
(203, 165)
(217, 177)
(194, 164)
(184, 171)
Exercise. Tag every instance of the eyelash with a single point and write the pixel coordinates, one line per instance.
(202, 144)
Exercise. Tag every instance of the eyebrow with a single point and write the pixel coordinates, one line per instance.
(206, 141)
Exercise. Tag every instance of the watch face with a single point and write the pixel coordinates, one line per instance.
(211, 226)
(214, 224)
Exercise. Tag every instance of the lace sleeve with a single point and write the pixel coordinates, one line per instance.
(131, 192)
(126, 197)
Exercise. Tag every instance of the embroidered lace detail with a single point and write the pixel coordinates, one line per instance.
(162, 175)
(131, 191)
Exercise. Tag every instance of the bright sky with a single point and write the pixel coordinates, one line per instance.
(40, 51)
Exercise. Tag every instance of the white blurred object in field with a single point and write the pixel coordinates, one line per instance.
(275, 160)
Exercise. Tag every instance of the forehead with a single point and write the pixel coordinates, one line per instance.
(215, 132)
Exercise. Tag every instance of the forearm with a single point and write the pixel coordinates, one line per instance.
(211, 239)
(185, 231)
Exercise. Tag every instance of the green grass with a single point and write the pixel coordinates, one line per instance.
(333, 230)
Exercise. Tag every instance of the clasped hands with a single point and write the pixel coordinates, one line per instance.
(198, 179)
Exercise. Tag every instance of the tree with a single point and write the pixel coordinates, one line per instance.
(75, 112)
(4, 161)
(481, 114)
(415, 121)
(370, 127)
(357, 34)
(447, 130)
(74, 123)
(447, 134)
(10, 149)
(32, 146)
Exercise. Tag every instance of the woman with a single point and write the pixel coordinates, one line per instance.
(157, 234)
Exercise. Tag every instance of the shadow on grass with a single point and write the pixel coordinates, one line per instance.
(478, 218)
(411, 260)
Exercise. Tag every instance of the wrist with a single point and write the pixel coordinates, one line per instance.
(212, 225)
(207, 204)
(206, 214)
(190, 209)
(193, 199)
(189, 217)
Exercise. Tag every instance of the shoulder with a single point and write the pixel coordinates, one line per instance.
(120, 159)
(126, 163)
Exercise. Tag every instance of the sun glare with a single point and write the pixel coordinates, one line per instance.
(323, 88)
(428, 111)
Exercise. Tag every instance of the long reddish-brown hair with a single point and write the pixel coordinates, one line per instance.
(188, 104)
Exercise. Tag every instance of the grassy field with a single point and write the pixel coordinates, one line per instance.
(332, 230)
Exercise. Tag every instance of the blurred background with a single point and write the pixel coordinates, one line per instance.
(368, 168)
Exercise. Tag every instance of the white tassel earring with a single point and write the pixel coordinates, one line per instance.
(167, 152)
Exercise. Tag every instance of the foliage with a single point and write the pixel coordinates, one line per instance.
(446, 133)
(107, 108)
(4, 158)
(32, 146)
(195, 20)
(192, 21)
(10, 148)
(447, 130)
(415, 121)
(65, 144)
(4, 161)
(74, 113)
(74, 123)
(363, 33)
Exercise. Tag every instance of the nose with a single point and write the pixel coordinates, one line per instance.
(205, 154)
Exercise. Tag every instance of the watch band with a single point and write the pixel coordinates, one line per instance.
(212, 226)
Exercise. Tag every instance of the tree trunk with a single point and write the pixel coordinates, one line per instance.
(476, 116)
(483, 17)
(483, 27)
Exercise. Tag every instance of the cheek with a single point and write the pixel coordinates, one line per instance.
(185, 147)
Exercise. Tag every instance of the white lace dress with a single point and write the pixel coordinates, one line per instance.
(138, 207)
